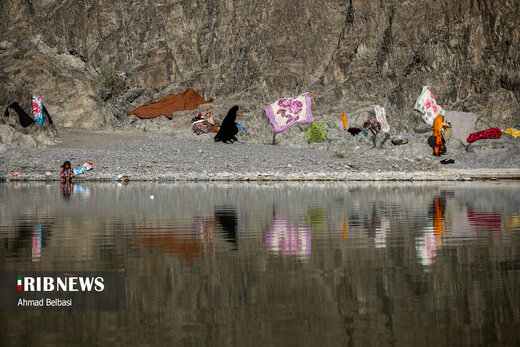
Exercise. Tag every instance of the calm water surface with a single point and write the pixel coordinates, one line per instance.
(275, 264)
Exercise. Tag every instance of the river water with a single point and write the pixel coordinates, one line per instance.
(273, 264)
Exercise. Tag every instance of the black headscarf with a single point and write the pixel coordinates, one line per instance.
(228, 129)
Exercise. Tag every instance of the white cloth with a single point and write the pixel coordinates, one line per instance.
(381, 118)
(427, 105)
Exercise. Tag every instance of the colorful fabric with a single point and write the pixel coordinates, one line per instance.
(203, 123)
(344, 120)
(427, 105)
(373, 125)
(381, 118)
(79, 171)
(288, 111)
(186, 100)
(64, 173)
(439, 148)
(437, 125)
(203, 127)
(513, 132)
(37, 106)
(493, 133)
(316, 132)
(87, 166)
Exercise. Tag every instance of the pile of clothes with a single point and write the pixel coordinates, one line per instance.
(374, 125)
(203, 123)
(514, 131)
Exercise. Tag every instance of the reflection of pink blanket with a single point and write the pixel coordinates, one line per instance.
(286, 238)
(288, 111)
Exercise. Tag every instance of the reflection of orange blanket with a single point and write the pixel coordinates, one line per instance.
(187, 100)
(165, 240)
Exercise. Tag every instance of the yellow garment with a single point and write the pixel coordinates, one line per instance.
(344, 119)
(437, 125)
(513, 132)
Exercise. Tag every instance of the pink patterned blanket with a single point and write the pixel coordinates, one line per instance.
(288, 111)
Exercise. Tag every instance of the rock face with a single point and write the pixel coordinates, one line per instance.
(93, 60)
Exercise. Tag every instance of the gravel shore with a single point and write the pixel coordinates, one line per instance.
(146, 157)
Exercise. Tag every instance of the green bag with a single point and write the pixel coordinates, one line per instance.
(316, 132)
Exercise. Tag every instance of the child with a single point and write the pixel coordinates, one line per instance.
(66, 173)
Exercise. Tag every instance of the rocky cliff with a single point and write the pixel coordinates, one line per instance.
(93, 60)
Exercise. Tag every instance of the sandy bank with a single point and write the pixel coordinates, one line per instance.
(146, 157)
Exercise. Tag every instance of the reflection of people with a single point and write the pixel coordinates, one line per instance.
(66, 190)
(228, 128)
(227, 218)
(438, 218)
(66, 173)
(432, 237)
(372, 225)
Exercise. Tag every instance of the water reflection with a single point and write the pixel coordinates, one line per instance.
(483, 219)
(69, 189)
(66, 190)
(286, 238)
(432, 236)
(28, 236)
(167, 241)
(226, 217)
(336, 264)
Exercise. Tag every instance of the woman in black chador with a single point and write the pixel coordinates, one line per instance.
(228, 129)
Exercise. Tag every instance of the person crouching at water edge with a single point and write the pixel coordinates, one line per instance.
(66, 173)
(439, 126)
(228, 130)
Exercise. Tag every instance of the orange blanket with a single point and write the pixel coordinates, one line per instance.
(187, 100)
